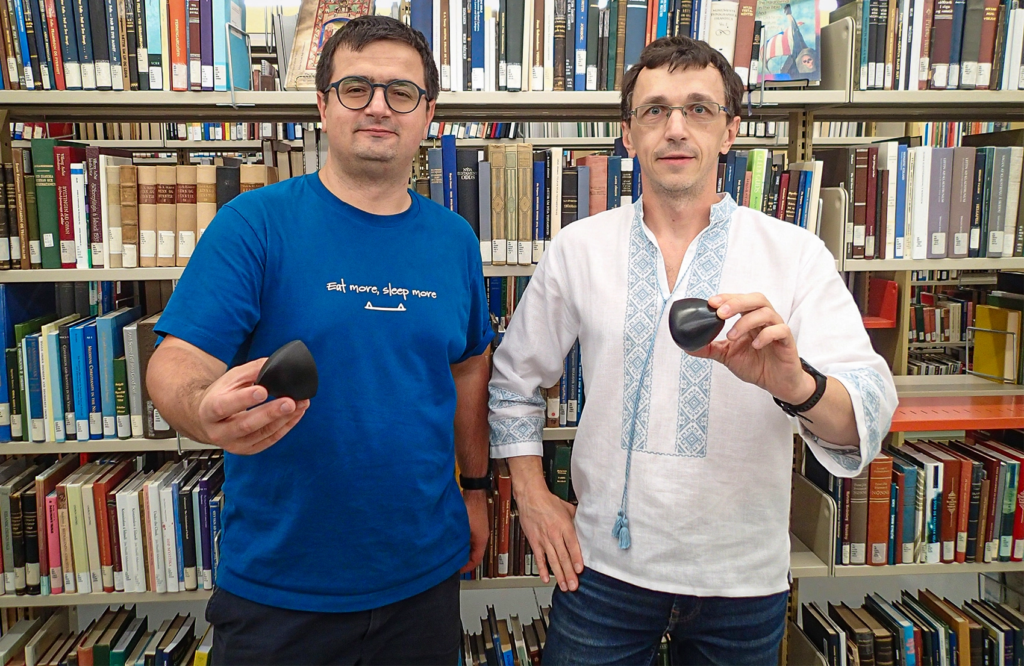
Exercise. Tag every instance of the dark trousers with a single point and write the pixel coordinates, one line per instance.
(425, 629)
(608, 621)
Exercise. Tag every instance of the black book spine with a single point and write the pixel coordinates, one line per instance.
(547, 195)
(43, 45)
(83, 306)
(141, 43)
(188, 534)
(5, 246)
(570, 202)
(65, 299)
(570, 45)
(67, 388)
(228, 184)
(977, 204)
(467, 167)
(30, 519)
(14, 395)
(100, 45)
(34, 51)
(133, 52)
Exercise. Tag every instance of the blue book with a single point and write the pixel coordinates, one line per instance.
(636, 24)
(55, 389)
(92, 381)
(901, 200)
(959, 10)
(26, 60)
(580, 31)
(800, 199)
(78, 379)
(34, 379)
(579, 383)
(638, 184)
(477, 56)
(83, 37)
(741, 174)
(450, 189)
(906, 627)
(114, 40)
(494, 297)
(662, 25)
(18, 303)
(571, 409)
(563, 395)
(215, 509)
(583, 192)
(421, 16)
(908, 506)
(41, 39)
(894, 500)
(730, 174)
(175, 492)
(539, 215)
(221, 11)
(110, 342)
(614, 199)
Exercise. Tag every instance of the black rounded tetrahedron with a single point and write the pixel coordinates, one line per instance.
(290, 372)
(693, 323)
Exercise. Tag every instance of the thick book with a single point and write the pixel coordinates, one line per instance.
(186, 212)
(166, 214)
(228, 184)
(206, 197)
(133, 192)
(154, 426)
(467, 170)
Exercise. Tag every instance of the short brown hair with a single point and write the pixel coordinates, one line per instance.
(685, 53)
(363, 30)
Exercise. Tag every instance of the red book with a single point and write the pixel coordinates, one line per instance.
(57, 66)
(870, 238)
(101, 491)
(879, 489)
(504, 510)
(780, 207)
(178, 43)
(63, 157)
(966, 471)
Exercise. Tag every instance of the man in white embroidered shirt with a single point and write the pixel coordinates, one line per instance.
(681, 461)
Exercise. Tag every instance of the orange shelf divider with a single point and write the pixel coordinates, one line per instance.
(959, 413)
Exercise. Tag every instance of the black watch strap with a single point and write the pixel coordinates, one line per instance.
(475, 482)
(820, 383)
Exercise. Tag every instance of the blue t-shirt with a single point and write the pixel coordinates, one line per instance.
(357, 507)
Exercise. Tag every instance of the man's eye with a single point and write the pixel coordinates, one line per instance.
(700, 109)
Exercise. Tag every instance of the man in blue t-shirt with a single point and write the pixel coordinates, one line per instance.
(344, 527)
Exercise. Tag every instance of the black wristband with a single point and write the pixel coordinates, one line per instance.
(475, 482)
(820, 383)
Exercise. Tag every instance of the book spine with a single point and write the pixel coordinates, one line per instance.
(56, 571)
(114, 543)
(177, 42)
(130, 38)
(113, 34)
(194, 44)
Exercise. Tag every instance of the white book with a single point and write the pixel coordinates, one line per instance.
(200, 577)
(1013, 200)
(111, 237)
(81, 220)
(455, 44)
(169, 543)
(55, 627)
(45, 389)
(888, 154)
(722, 36)
(79, 539)
(490, 40)
(922, 181)
(13, 642)
(556, 191)
(127, 576)
(136, 537)
(930, 552)
(155, 534)
(549, 44)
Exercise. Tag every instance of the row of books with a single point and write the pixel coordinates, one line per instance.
(169, 132)
(931, 502)
(512, 642)
(587, 45)
(945, 44)
(951, 134)
(929, 203)
(508, 552)
(77, 376)
(117, 524)
(118, 637)
(761, 180)
(69, 206)
(931, 363)
(922, 630)
(134, 45)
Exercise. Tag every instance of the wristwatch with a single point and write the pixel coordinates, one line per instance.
(820, 382)
(476, 482)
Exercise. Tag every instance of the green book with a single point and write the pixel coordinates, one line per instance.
(124, 417)
(593, 37)
(32, 215)
(757, 164)
(46, 200)
(20, 331)
(129, 639)
(563, 456)
(104, 646)
(613, 33)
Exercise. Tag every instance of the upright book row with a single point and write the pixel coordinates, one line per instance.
(119, 524)
(122, 45)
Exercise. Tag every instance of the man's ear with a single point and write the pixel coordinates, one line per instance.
(321, 105)
(627, 139)
(431, 107)
(731, 130)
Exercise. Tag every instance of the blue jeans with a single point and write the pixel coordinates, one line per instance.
(607, 621)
